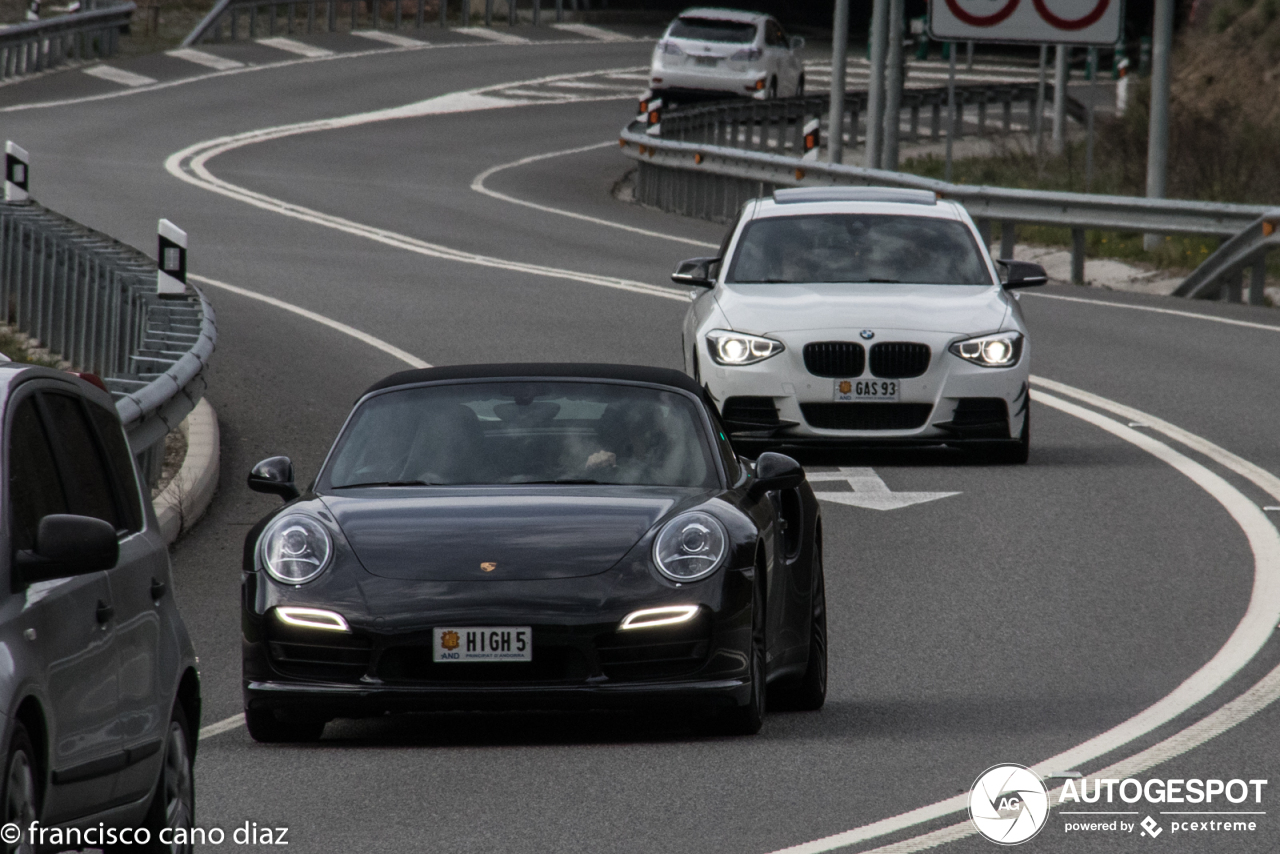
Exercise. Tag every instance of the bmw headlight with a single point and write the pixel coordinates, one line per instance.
(295, 549)
(690, 546)
(1001, 350)
(739, 348)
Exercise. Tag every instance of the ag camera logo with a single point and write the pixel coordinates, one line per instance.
(1008, 804)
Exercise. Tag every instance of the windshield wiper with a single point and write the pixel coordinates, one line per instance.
(389, 483)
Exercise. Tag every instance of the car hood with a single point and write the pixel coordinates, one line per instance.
(496, 534)
(958, 309)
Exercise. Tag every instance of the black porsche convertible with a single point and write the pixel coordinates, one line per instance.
(533, 536)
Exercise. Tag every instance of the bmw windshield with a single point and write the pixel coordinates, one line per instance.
(850, 248)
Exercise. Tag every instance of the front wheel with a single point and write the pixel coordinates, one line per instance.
(171, 815)
(21, 797)
(747, 719)
(809, 692)
(1015, 453)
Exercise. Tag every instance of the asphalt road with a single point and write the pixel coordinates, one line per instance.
(1040, 607)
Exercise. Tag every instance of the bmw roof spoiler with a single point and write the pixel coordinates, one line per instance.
(854, 194)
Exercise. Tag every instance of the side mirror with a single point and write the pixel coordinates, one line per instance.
(797, 42)
(695, 272)
(776, 471)
(68, 545)
(274, 476)
(1022, 274)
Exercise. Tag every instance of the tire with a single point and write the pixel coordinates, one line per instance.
(809, 692)
(772, 92)
(173, 805)
(1015, 453)
(747, 719)
(265, 727)
(21, 794)
(800, 87)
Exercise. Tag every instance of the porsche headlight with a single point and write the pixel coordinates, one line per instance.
(739, 348)
(690, 546)
(295, 549)
(1001, 350)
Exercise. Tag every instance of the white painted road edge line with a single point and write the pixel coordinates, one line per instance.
(1157, 310)
(477, 184)
(1250, 634)
(591, 32)
(189, 165)
(390, 349)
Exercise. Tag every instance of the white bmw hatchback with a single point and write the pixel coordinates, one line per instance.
(722, 52)
(838, 317)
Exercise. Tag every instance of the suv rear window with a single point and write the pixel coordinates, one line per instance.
(851, 248)
(712, 30)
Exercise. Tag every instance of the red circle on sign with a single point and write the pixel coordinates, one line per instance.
(1067, 23)
(984, 20)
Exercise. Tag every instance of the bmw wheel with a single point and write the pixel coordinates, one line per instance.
(21, 797)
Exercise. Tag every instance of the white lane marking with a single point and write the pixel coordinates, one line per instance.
(477, 184)
(611, 87)
(189, 165)
(119, 75)
(224, 725)
(390, 349)
(208, 60)
(492, 35)
(870, 491)
(389, 38)
(1250, 634)
(592, 32)
(1157, 310)
(300, 48)
(1262, 478)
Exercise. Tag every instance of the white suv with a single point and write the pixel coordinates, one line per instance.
(725, 52)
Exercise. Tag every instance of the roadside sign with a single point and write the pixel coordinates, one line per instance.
(1053, 21)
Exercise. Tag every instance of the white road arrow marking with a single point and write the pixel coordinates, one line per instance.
(870, 491)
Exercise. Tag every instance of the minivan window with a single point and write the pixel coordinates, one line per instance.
(89, 491)
(120, 461)
(712, 30)
(35, 490)
(852, 248)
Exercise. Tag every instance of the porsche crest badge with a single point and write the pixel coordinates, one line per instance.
(489, 565)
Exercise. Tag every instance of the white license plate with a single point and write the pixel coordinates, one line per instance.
(482, 643)
(865, 390)
(705, 60)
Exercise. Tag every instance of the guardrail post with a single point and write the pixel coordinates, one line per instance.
(1008, 238)
(537, 11)
(1258, 280)
(488, 13)
(420, 20)
(511, 13)
(559, 11)
(1077, 256)
(271, 25)
(355, 7)
(333, 16)
(1232, 286)
(466, 13)
(253, 21)
(444, 9)
(396, 25)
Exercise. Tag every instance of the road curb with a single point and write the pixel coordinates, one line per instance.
(181, 504)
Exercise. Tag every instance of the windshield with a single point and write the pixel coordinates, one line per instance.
(711, 30)
(858, 248)
(526, 432)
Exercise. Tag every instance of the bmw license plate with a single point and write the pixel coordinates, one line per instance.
(482, 643)
(866, 390)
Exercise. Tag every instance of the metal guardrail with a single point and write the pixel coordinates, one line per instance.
(323, 15)
(776, 125)
(39, 45)
(92, 300)
(713, 181)
(1224, 269)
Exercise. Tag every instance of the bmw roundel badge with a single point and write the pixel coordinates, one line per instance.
(867, 334)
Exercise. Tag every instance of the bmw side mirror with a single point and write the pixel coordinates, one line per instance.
(775, 472)
(797, 42)
(1022, 274)
(695, 272)
(274, 476)
(68, 545)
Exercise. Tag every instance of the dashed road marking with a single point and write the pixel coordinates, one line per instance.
(492, 35)
(119, 75)
(208, 60)
(389, 38)
(591, 32)
(300, 48)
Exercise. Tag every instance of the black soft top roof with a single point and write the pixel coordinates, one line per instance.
(626, 373)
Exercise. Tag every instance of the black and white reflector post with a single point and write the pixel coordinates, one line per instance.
(33, 10)
(15, 173)
(811, 140)
(171, 278)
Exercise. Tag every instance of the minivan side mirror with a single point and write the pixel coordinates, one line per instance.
(274, 476)
(776, 471)
(797, 42)
(1022, 274)
(695, 272)
(67, 545)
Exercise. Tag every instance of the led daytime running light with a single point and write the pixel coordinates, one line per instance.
(313, 618)
(668, 615)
